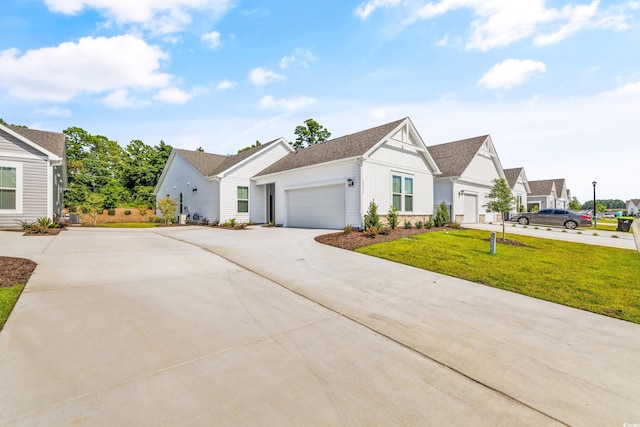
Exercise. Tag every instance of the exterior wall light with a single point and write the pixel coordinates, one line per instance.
(350, 182)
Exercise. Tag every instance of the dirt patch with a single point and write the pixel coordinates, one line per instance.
(357, 239)
(15, 270)
(507, 242)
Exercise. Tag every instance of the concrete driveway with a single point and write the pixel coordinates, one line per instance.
(200, 326)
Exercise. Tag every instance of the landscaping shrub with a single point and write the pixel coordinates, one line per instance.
(385, 231)
(442, 215)
(455, 225)
(111, 212)
(372, 231)
(371, 218)
(347, 229)
(419, 225)
(127, 212)
(392, 217)
(408, 225)
(429, 223)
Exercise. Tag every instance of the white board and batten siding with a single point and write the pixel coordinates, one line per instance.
(203, 201)
(377, 173)
(241, 175)
(34, 182)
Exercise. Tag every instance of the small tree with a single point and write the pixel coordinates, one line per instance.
(93, 205)
(574, 204)
(168, 207)
(442, 215)
(310, 134)
(371, 218)
(392, 217)
(501, 201)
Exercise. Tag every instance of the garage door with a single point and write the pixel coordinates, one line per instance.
(470, 208)
(317, 207)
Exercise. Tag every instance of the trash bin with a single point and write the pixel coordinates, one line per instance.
(624, 224)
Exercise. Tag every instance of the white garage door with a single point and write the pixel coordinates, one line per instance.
(317, 207)
(470, 208)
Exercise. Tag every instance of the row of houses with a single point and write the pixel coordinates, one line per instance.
(330, 185)
(327, 185)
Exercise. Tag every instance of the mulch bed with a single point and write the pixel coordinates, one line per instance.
(357, 239)
(15, 270)
(51, 232)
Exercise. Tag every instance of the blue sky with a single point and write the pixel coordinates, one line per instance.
(555, 83)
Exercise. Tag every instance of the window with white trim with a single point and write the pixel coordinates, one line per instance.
(402, 192)
(8, 188)
(243, 199)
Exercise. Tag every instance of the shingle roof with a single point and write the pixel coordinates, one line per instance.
(559, 184)
(636, 202)
(541, 188)
(453, 157)
(53, 142)
(213, 164)
(344, 147)
(512, 176)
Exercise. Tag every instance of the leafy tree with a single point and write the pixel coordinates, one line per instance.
(392, 217)
(501, 201)
(312, 133)
(574, 204)
(114, 194)
(168, 207)
(93, 205)
(200, 150)
(257, 144)
(442, 215)
(600, 207)
(608, 203)
(371, 218)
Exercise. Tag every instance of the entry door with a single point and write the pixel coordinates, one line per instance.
(470, 208)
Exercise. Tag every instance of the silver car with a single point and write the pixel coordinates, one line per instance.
(557, 217)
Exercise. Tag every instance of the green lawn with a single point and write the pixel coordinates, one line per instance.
(8, 298)
(595, 278)
(129, 225)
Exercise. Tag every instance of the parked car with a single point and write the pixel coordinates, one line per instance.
(557, 217)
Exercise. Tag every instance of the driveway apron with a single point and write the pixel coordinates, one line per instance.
(201, 326)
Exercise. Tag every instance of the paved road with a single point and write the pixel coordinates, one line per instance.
(195, 326)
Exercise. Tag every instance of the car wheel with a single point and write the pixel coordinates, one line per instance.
(523, 221)
(571, 225)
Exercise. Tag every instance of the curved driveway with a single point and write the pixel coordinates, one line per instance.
(201, 326)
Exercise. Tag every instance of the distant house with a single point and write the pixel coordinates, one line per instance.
(562, 194)
(519, 187)
(469, 169)
(543, 194)
(33, 175)
(633, 207)
(219, 187)
(330, 185)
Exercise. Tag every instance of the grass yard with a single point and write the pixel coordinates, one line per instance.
(599, 279)
(8, 298)
(128, 225)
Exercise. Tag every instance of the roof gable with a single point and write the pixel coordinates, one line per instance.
(514, 175)
(452, 158)
(50, 143)
(560, 186)
(205, 163)
(348, 146)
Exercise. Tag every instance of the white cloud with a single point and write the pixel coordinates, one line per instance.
(226, 84)
(301, 56)
(162, 17)
(54, 111)
(172, 95)
(367, 8)
(498, 23)
(628, 89)
(92, 65)
(212, 39)
(120, 99)
(510, 73)
(289, 105)
(261, 76)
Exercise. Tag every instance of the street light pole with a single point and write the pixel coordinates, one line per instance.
(595, 215)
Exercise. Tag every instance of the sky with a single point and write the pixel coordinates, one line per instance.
(555, 83)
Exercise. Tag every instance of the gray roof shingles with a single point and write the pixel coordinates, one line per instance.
(512, 176)
(213, 164)
(541, 188)
(354, 145)
(453, 157)
(53, 142)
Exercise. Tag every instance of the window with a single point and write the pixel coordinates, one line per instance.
(243, 199)
(8, 187)
(402, 193)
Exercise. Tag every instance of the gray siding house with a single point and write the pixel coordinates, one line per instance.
(33, 175)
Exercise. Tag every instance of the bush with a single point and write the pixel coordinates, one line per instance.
(215, 223)
(371, 218)
(419, 224)
(111, 212)
(385, 231)
(347, 229)
(407, 224)
(392, 217)
(127, 212)
(429, 223)
(230, 223)
(455, 225)
(372, 231)
(442, 215)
